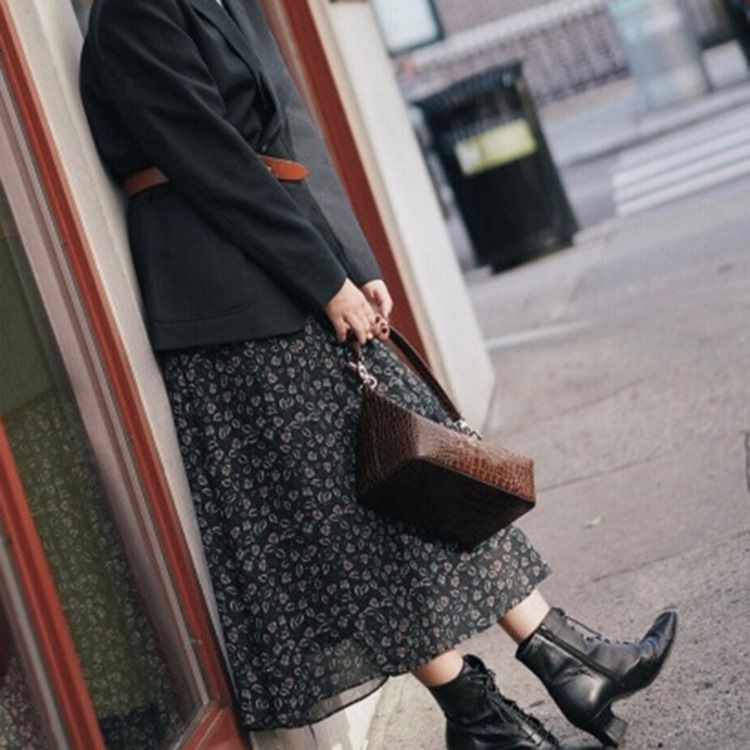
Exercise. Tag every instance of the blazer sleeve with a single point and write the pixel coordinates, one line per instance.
(169, 102)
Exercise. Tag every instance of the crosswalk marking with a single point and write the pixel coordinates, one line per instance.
(687, 137)
(632, 179)
(678, 165)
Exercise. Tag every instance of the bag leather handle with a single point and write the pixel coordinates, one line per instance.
(420, 365)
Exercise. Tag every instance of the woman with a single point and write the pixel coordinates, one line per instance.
(250, 291)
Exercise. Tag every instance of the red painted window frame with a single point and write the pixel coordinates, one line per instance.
(217, 728)
(45, 611)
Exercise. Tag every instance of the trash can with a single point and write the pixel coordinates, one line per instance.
(488, 138)
(662, 48)
(738, 12)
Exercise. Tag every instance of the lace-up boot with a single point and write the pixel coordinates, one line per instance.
(585, 673)
(479, 717)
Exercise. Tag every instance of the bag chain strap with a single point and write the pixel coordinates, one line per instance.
(370, 381)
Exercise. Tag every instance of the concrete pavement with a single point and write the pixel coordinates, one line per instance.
(623, 369)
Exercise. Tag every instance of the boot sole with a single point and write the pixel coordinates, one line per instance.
(607, 728)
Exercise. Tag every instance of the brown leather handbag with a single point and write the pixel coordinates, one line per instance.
(444, 479)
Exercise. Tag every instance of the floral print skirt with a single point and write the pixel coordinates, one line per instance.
(321, 599)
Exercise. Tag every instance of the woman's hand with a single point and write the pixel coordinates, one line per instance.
(377, 295)
(349, 309)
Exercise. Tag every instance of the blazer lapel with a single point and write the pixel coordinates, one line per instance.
(245, 23)
(220, 18)
(237, 29)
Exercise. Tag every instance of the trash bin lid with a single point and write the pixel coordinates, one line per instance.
(498, 78)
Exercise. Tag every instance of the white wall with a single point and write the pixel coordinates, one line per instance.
(407, 200)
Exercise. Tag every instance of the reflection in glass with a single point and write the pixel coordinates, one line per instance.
(125, 672)
(20, 724)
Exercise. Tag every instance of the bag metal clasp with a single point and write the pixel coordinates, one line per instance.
(360, 367)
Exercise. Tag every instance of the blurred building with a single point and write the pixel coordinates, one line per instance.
(567, 46)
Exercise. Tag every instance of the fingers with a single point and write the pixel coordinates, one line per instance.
(353, 312)
(341, 327)
(368, 318)
(364, 326)
(386, 304)
(377, 293)
(387, 307)
(361, 325)
(362, 329)
(382, 329)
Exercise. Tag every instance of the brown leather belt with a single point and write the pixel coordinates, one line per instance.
(283, 169)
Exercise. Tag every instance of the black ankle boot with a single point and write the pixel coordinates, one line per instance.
(585, 673)
(480, 718)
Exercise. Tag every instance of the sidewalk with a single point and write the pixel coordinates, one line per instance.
(601, 122)
(622, 368)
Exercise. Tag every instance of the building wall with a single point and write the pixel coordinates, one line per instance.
(566, 46)
(458, 15)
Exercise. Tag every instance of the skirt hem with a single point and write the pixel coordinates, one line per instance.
(383, 677)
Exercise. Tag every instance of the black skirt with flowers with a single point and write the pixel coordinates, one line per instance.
(320, 598)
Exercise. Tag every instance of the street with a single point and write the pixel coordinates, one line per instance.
(683, 163)
(617, 156)
(622, 368)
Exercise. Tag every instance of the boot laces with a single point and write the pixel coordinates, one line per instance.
(507, 706)
(590, 633)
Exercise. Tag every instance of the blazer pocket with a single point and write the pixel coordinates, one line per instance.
(187, 269)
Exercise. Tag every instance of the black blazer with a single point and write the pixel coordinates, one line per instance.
(224, 250)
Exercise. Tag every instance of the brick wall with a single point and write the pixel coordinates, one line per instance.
(575, 49)
(565, 48)
(458, 15)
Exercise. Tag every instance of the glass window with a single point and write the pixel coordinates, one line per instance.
(20, 724)
(124, 668)
(407, 25)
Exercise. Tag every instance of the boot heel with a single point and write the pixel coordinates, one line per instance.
(608, 728)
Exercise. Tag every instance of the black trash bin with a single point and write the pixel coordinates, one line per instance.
(738, 12)
(487, 135)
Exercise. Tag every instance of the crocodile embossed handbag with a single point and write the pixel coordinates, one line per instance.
(445, 479)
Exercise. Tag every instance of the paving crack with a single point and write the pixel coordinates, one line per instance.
(663, 558)
(604, 472)
(747, 460)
